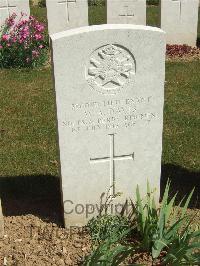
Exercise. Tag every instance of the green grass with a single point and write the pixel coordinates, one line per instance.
(28, 140)
(153, 16)
(97, 15)
(40, 13)
(182, 110)
(28, 121)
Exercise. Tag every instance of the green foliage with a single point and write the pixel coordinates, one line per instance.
(182, 250)
(146, 218)
(96, 2)
(42, 3)
(110, 252)
(169, 223)
(102, 227)
(158, 228)
(153, 2)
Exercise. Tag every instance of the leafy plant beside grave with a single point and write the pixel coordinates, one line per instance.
(102, 227)
(166, 228)
(110, 252)
(166, 232)
(22, 42)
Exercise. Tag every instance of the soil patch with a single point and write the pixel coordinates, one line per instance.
(29, 240)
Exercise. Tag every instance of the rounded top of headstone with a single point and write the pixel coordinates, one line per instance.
(104, 27)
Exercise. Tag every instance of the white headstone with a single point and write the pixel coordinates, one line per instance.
(109, 83)
(179, 19)
(8, 7)
(126, 12)
(66, 14)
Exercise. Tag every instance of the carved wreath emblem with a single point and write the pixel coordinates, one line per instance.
(110, 68)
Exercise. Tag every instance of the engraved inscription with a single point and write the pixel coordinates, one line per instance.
(127, 12)
(111, 159)
(110, 114)
(110, 68)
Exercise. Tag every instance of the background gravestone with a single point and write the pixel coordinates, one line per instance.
(109, 83)
(66, 14)
(126, 12)
(8, 7)
(179, 19)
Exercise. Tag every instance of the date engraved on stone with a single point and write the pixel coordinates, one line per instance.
(110, 69)
(111, 114)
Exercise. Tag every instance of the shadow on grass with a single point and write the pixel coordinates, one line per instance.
(41, 196)
(36, 195)
(182, 181)
(198, 42)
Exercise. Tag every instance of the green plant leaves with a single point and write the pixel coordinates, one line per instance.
(110, 252)
(102, 227)
(160, 229)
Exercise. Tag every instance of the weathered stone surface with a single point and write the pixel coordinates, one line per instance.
(8, 7)
(179, 19)
(126, 12)
(109, 83)
(66, 14)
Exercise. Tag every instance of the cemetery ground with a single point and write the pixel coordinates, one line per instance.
(29, 168)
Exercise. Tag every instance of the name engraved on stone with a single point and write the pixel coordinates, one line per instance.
(111, 159)
(110, 114)
(110, 68)
(127, 12)
(66, 3)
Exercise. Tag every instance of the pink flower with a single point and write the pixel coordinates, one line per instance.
(39, 27)
(23, 36)
(38, 37)
(35, 53)
(5, 37)
(10, 22)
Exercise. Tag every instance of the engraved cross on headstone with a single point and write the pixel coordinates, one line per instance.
(66, 3)
(127, 12)
(111, 159)
(7, 6)
(180, 6)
